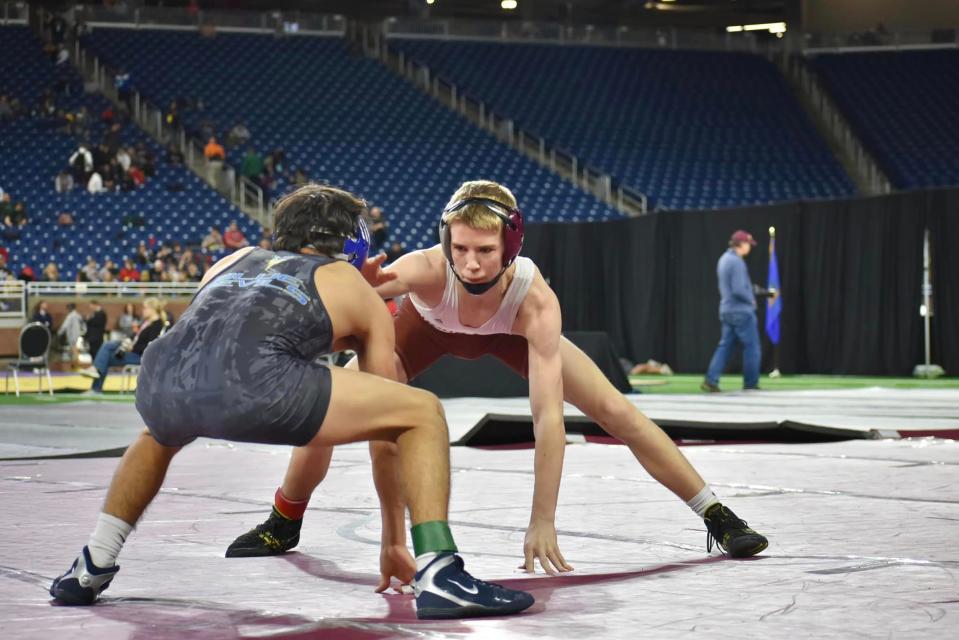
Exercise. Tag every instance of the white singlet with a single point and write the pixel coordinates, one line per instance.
(445, 316)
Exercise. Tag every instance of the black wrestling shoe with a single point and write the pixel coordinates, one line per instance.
(277, 535)
(732, 535)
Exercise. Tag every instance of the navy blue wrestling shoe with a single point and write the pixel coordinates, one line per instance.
(444, 590)
(83, 582)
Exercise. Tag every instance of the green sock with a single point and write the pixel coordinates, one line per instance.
(432, 536)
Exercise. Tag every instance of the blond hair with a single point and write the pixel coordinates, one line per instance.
(476, 216)
(157, 305)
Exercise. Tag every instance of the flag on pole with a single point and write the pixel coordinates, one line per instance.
(774, 304)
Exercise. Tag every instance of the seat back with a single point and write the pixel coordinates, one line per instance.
(34, 341)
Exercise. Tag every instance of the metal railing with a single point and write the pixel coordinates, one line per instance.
(870, 175)
(628, 200)
(284, 23)
(109, 289)
(14, 13)
(586, 34)
(13, 301)
(863, 41)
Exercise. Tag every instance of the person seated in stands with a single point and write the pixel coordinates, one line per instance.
(193, 273)
(136, 176)
(396, 251)
(6, 206)
(234, 239)
(213, 241)
(5, 273)
(252, 165)
(26, 274)
(213, 151)
(50, 273)
(64, 182)
(96, 185)
(238, 135)
(117, 353)
(129, 272)
(91, 270)
(124, 158)
(42, 315)
(6, 111)
(300, 178)
(65, 219)
(145, 159)
(143, 256)
(108, 272)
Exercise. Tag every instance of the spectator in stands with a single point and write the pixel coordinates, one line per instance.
(121, 81)
(252, 165)
(72, 330)
(42, 315)
(143, 256)
(300, 178)
(5, 272)
(91, 270)
(82, 163)
(26, 274)
(108, 271)
(238, 135)
(112, 139)
(63, 183)
(737, 315)
(14, 221)
(136, 176)
(123, 352)
(6, 111)
(145, 159)
(124, 159)
(6, 206)
(129, 322)
(65, 219)
(213, 241)
(51, 273)
(395, 251)
(172, 117)
(234, 239)
(129, 272)
(213, 151)
(193, 273)
(96, 327)
(96, 185)
(379, 228)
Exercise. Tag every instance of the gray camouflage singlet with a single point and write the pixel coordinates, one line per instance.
(240, 364)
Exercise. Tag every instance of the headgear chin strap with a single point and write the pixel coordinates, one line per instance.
(512, 238)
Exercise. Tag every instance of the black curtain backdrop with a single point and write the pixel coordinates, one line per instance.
(851, 275)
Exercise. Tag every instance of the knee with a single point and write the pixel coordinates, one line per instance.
(430, 410)
(617, 415)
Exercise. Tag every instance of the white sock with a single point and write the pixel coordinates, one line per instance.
(423, 560)
(701, 502)
(107, 540)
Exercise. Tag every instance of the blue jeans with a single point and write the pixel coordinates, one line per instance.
(107, 357)
(738, 327)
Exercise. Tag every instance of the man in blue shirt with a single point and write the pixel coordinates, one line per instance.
(737, 312)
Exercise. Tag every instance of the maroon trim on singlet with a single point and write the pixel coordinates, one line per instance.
(419, 344)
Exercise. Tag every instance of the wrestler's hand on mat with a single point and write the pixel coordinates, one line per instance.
(541, 544)
(396, 562)
(373, 271)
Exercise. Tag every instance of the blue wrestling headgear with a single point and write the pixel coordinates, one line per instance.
(355, 247)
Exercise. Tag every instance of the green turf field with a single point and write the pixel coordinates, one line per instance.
(690, 383)
(685, 383)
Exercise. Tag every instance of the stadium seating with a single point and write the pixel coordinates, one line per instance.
(691, 129)
(904, 106)
(33, 151)
(343, 119)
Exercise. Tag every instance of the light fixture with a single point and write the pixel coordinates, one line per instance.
(771, 27)
(508, 5)
(430, 1)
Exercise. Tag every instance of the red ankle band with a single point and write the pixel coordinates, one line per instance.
(292, 509)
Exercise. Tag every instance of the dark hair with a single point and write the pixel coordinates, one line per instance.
(318, 216)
